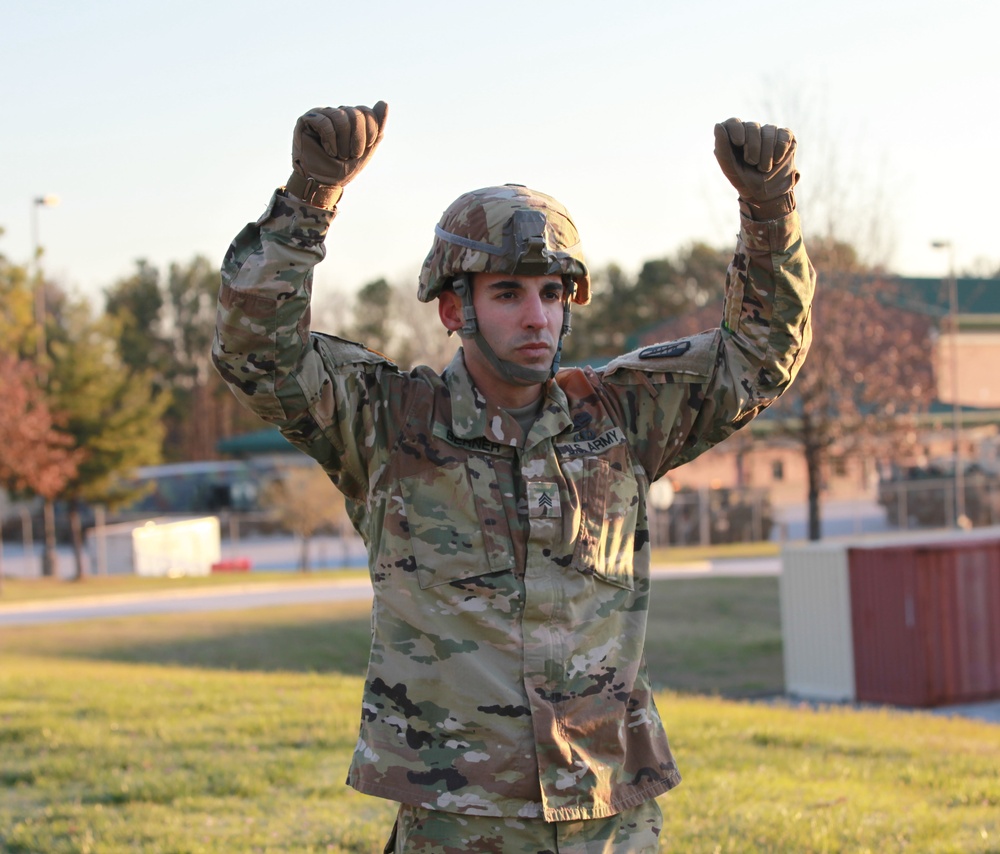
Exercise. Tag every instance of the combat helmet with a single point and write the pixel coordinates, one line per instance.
(508, 229)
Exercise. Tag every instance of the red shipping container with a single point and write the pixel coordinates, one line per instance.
(925, 621)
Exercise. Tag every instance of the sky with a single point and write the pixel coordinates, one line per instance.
(163, 127)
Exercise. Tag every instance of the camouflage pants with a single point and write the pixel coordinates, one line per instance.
(421, 831)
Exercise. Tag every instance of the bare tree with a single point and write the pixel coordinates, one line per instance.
(390, 319)
(868, 372)
(305, 501)
(846, 193)
(427, 342)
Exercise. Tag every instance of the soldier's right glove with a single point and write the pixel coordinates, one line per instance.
(759, 161)
(330, 147)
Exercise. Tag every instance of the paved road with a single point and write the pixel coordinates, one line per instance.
(228, 598)
(293, 592)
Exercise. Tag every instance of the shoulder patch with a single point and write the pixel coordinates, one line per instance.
(674, 348)
(691, 357)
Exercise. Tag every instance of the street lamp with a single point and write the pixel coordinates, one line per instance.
(961, 520)
(46, 201)
(48, 508)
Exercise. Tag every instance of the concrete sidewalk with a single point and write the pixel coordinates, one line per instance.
(228, 597)
(988, 711)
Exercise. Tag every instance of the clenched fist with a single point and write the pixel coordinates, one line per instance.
(759, 161)
(330, 146)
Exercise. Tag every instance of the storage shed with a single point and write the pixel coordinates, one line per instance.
(906, 620)
(158, 547)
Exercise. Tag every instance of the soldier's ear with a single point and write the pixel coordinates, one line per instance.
(450, 310)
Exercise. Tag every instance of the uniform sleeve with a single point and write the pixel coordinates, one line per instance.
(318, 390)
(680, 398)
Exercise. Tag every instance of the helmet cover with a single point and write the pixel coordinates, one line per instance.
(509, 229)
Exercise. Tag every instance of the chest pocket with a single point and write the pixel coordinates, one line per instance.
(609, 505)
(456, 520)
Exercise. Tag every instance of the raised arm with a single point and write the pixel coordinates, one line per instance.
(262, 345)
(704, 388)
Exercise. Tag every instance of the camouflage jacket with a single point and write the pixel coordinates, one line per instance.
(511, 573)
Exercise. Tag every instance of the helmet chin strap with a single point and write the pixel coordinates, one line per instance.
(510, 371)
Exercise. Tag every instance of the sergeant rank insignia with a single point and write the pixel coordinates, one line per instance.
(543, 499)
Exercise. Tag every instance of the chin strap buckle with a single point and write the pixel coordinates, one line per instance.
(470, 325)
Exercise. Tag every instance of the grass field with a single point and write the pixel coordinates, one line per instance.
(232, 732)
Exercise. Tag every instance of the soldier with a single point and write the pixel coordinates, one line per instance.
(503, 502)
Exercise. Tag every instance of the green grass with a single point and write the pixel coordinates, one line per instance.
(232, 731)
(716, 635)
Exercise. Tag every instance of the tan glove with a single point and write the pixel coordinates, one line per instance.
(759, 161)
(330, 147)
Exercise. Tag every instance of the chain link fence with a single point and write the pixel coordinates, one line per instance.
(702, 517)
(929, 502)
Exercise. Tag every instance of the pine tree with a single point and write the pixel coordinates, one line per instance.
(110, 411)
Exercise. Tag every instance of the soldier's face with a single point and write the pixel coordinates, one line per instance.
(520, 316)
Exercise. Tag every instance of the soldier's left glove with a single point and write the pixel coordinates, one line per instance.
(330, 147)
(759, 161)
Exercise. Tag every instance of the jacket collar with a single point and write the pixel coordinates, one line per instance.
(473, 417)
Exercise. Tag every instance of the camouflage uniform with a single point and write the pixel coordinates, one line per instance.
(511, 572)
(421, 831)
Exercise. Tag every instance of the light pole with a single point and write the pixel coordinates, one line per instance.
(46, 201)
(48, 507)
(961, 520)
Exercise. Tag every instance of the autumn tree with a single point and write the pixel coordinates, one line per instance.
(37, 463)
(304, 501)
(36, 457)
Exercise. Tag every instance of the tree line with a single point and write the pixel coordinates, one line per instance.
(97, 391)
